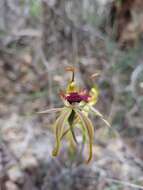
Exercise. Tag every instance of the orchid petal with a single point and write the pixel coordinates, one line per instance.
(73, 134)
(50, 110)
(87, 124)
(96, 112)
(70, 121)
(59, 125)
(94, 93)
(70, 129)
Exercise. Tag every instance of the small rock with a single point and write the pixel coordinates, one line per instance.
(15, 174)
(11, 186)
(28, 161)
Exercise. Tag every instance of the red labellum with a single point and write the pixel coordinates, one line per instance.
(77, 97)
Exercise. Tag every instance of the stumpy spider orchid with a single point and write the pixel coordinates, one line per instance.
(78, 104)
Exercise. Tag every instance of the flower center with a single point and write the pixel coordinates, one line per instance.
(77, 97)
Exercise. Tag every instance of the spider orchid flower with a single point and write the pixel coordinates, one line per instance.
(78, 104)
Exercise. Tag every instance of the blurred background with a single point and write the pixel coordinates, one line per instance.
(38, 39)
